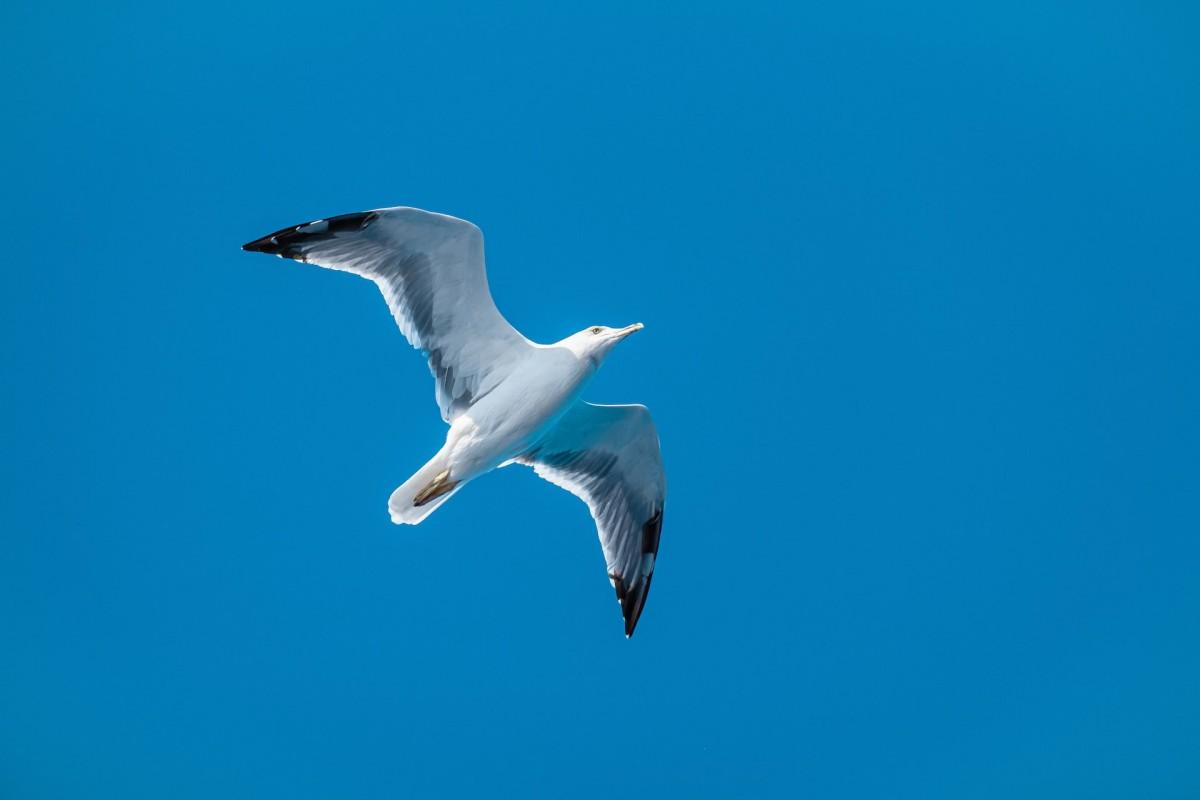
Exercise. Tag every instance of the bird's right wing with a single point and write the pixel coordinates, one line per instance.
(430, 269)
(609, 457)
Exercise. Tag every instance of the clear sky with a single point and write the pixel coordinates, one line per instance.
(920, 289)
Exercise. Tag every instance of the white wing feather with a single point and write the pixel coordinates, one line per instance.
(609, 457)
(430, 269)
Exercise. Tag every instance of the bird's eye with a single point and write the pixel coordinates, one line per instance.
(596, 330)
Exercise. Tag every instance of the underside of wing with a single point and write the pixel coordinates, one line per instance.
(430, 269)
(609, 457)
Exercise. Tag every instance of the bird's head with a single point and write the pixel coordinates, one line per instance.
(594, 343)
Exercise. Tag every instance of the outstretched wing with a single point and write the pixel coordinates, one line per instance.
(608, 456)
(430, 270)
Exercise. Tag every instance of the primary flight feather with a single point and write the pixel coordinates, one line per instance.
(507, 400)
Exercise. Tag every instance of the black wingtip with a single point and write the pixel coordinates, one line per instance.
(266, 244)
(289, 242)
(632, 597)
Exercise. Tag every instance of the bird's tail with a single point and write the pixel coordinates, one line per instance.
(420, 495)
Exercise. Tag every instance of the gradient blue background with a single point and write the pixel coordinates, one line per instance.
(920, 289)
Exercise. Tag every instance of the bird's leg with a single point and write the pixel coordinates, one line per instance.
(436, 488)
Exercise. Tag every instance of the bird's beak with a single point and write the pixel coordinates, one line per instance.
(634, 328)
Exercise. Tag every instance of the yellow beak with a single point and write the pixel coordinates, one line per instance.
(634, 328)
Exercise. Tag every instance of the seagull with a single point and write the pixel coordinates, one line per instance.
(507, 400)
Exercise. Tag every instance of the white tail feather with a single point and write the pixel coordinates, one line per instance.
(400, 504)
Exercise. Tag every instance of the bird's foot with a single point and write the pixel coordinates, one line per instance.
(436, 488)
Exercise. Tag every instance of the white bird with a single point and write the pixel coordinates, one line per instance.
(507, 400)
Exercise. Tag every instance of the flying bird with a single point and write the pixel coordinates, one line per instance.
(507, 400)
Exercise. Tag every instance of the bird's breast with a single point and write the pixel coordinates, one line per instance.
(504, 423)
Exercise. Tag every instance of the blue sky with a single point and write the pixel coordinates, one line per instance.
(920, 288)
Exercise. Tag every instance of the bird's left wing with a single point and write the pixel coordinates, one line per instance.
(430, 270)
(608, 456)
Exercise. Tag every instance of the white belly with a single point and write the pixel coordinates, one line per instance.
(505, 422)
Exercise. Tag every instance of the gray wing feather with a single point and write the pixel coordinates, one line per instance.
(609, 457)
(430, 269)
